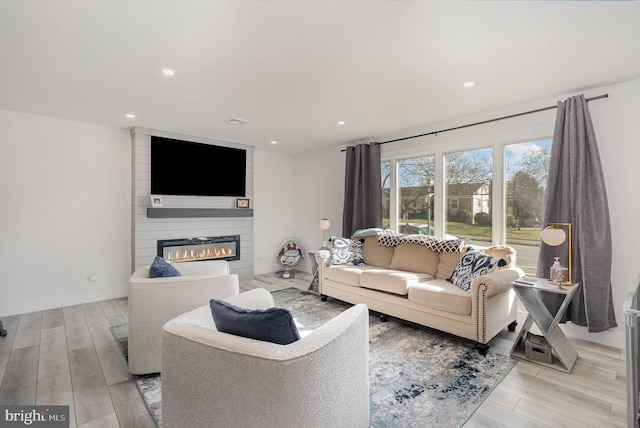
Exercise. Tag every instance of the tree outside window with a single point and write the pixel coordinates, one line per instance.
(415, 202)
(526, 168)
(469, 176)
(468, 196)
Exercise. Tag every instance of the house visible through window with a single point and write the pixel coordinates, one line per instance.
(467, 196)
(526, 168)
(415, 204)
(469, 176)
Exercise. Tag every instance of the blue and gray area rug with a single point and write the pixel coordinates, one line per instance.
(419, 377)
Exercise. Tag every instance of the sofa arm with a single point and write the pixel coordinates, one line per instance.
(493, 302)
(496, 282)
(323, 258)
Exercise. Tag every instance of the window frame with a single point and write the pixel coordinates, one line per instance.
(498, 203)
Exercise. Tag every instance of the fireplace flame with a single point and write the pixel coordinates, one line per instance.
(192, 254)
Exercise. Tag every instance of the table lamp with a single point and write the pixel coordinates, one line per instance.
(554, 236)
(325, 224)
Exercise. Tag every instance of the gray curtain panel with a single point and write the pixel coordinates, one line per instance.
(576, 194)
(362, 189)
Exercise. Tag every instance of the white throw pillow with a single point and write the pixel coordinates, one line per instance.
(346, 251)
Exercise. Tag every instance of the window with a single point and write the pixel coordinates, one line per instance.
(415, 203)
(385, 169)
(469, 176)
(526, 168)
(463, 203)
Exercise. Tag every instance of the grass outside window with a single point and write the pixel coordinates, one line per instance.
(522, 235)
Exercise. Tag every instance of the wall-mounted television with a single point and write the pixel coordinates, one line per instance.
(195, 169)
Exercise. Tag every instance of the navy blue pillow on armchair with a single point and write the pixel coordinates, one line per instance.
(274, 325)
(160, 268)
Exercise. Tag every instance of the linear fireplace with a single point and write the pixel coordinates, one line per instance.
(208, 248)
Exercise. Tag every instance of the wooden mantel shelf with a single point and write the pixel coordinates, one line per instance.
(198, 212)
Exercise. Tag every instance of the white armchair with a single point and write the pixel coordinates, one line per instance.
(154, 301)
(210, 378)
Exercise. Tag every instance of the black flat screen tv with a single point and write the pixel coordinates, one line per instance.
(195, 169)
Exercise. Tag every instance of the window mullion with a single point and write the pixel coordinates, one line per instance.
(498, 203)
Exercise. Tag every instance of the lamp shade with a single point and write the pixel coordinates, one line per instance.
(553, 236)
(325, 224)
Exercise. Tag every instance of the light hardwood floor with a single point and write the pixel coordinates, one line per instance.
(68, 356)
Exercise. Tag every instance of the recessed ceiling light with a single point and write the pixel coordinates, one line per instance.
(130, 115)
(274, 142)
(469, 84)
(341, 122)
(168, 72)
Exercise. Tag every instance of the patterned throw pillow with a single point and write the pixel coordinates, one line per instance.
(472, 265)
(346, 251)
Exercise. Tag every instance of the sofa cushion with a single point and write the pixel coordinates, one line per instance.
(160, 268)
(447, 263)
(391, 281)
(441, 294)
(472, 265)
(415, 258)
(349, 275)
(271, 325)
(376, 254)
(346, 251)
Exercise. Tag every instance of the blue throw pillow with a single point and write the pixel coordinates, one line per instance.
(274, 325)
(472, 265)
(365, 233)
(160, 268)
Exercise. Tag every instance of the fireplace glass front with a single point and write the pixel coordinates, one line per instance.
(208, 248)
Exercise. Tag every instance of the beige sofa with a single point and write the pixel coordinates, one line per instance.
(409, 281)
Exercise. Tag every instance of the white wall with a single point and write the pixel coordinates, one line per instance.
(615, 122)
(272, 207)
(278, 215)
(65, 192)
(65, 189)
(616, 125)
(319, 192)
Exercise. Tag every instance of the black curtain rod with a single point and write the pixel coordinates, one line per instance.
(484, 121)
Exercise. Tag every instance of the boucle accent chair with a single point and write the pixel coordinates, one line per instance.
(214, 379)
(154, 301)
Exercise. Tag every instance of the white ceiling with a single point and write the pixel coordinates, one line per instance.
(295, 68)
